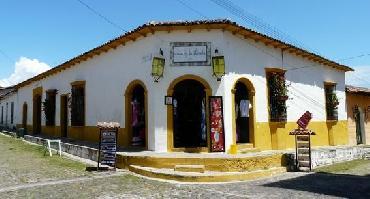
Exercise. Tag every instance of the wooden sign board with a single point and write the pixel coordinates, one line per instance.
(108, 147)
(190, 54)
(217, 124)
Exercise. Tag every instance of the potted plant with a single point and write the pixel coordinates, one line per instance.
(278, 96)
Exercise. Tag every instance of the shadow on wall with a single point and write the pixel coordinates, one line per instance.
(339, 185)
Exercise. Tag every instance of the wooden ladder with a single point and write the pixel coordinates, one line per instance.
(303, 152)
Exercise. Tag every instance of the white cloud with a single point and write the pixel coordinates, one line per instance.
(24, 68)
(360, 77)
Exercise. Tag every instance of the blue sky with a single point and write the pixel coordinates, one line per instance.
(51, 32)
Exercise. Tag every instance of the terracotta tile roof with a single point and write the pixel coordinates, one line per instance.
(151, 27)
(357, 90)
(6, 91)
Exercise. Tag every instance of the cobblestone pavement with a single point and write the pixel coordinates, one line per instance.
(289, 185)
(25, 174)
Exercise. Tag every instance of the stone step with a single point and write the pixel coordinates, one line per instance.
(207, 176)
(302, 137)
(190, 168)
(303, 163)
(305, 169)
(303, 151)
(248, 150)
(303, 157)
(244, 146)
(303, 145)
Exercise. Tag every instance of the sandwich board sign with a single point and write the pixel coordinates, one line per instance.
(107, 145)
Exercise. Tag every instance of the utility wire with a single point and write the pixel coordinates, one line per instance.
(257, 22)
(192, 9)
(354, 57)
(107, 19)
(101, 16)
(316, 104)
(6, 55)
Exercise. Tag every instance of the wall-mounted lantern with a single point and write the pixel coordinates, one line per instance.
(218, 65)
(158, 66)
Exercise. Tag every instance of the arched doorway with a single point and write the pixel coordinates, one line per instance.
(187, 118)
(36, 114)
(360, 126)
(136, 114)
(243, 111)
(24, 117)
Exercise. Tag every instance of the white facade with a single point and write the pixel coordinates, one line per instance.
(107, 75)
(6, 111)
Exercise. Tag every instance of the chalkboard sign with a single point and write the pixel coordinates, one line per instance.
(217, 124)
(107, 147)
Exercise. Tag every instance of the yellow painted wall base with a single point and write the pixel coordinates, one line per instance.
(276, 135)
(212, 177)
(267, 135)
(85, 133)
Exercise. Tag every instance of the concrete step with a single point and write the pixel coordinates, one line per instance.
(244, 146)
(303, 145)
(303, 163)
(303, 157)
(302, 137)
(248, 150)
(190, 168)
(207, 176)
(306, 169)
(303, 151)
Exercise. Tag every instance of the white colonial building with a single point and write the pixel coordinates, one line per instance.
(186, 86)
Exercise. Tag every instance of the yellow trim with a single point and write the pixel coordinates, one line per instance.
(128, 95)
(275, 135)
(252, 115)
(63, 114)
(81, 133)
(36, 92)
(219, 164)
(329, 83)
(78, 83)
(219, 177)
(170, 90)
(24, 116)
(275, 69)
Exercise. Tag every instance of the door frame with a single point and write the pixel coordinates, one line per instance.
(64, 115)
(128, 112)
(24, 116)
(170, 133)
(360, 123)
(36, 122)
(252, 111)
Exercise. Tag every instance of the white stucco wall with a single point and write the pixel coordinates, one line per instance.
(108, 74)
(5, 104)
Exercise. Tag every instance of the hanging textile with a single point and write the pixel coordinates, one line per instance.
(135, 112)
(203, 126)
(244, 108)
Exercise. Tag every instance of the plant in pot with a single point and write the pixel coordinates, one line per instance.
(332, 104)
(46, 107)
(278, 96)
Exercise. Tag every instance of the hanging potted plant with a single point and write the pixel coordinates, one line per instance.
(332, 106)
(46, 107)
(279, 88)
(278, 96)
(333, 101)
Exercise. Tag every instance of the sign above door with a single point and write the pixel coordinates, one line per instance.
(190, 54)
